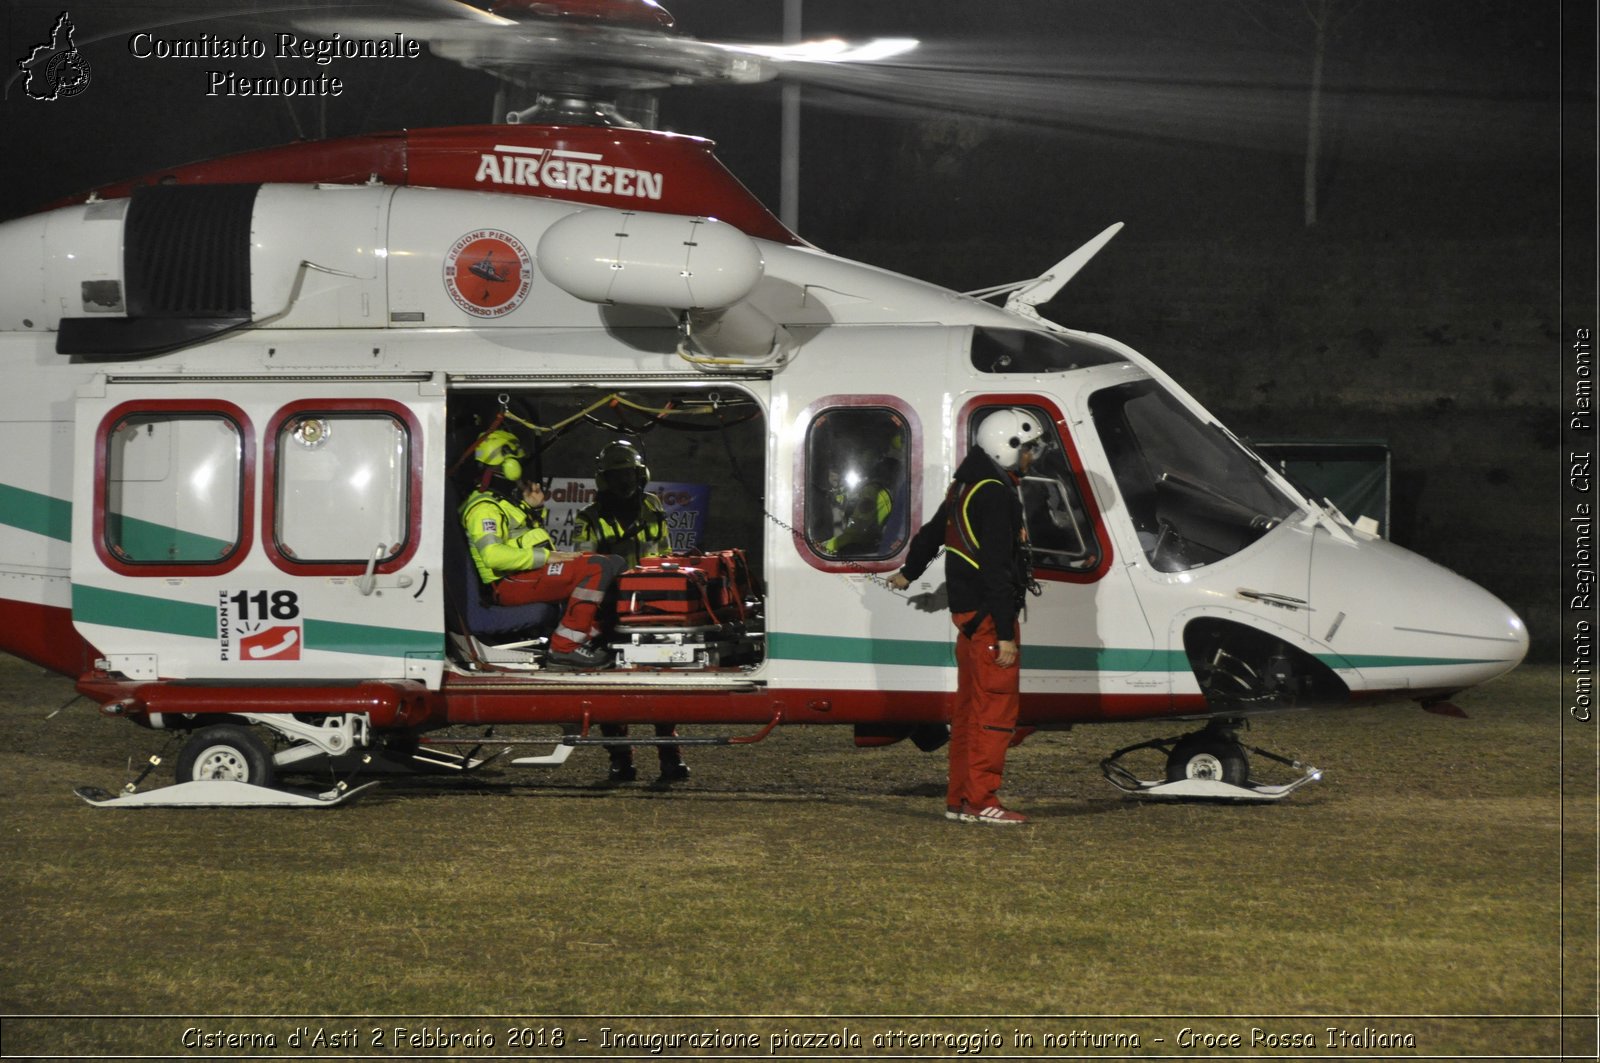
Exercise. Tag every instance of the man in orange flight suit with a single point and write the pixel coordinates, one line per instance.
(980, 526)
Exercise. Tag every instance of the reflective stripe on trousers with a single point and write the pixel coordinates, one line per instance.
(582, 583)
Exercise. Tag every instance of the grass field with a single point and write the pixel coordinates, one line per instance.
(802, 878)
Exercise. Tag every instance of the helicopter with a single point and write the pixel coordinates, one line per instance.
(262, 377)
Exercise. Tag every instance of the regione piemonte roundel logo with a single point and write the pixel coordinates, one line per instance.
(488, 273)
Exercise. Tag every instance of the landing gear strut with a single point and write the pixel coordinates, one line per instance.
(229, 764)
(1206, 764)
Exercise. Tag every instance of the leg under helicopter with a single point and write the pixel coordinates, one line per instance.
(1208, 764)
(1242, 671)
(229, 762)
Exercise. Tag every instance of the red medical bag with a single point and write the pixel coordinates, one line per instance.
(688, 589)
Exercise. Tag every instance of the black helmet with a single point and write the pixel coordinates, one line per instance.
(620, 469)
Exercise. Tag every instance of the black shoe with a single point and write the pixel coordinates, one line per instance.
(671, 773)
(621, 773)
(589, 658)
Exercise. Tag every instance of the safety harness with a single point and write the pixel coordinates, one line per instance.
(962, 541)
(959, 538)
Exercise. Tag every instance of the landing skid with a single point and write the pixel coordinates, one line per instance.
(216, 793)
(1203, 789)
(1208, 765)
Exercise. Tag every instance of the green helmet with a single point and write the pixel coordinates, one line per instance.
(620, 469)
(501, 451)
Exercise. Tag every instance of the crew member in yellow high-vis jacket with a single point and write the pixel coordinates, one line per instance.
(517, 559)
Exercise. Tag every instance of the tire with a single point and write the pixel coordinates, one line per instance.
(1208, 755)
(226, 752)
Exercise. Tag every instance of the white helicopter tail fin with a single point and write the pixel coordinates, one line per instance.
(1026, 299)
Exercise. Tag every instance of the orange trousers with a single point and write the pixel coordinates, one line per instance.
(583, 583)
(984, 718)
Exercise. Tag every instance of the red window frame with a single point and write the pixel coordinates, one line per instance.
(269, 483)
(246, 515)
(913, 461)
(1080, 478)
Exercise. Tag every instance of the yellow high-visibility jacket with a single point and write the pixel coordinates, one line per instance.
(503, 536)
(605, 535)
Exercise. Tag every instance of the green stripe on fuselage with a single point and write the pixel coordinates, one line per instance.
(1378, 660)
(140, 612)
(140, 540)
(146, 542)
(840, 649)
(336, 637)
(785, 645)
(845, 650)
(34, 512)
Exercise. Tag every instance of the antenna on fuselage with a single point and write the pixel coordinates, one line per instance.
(1027, 298)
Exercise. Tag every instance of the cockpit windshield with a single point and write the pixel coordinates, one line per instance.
(1195, 494)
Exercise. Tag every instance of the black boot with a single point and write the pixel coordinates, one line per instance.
(673, 769)
(622, 769)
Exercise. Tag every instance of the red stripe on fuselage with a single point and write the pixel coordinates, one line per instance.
(507, 700)
(44, 635)
(490, 700)
(683, 170)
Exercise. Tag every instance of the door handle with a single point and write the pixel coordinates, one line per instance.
(367, 582)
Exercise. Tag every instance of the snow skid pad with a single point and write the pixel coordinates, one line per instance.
(1208, 765)
(1207, 789)
(214, 793)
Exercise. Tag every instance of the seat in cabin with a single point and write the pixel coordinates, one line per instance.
(473, 604)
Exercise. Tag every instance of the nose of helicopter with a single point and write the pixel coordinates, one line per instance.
(1407, 623)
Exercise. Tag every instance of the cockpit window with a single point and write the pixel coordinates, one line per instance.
(1195, 494)
(1060, 531)
(1017, 350)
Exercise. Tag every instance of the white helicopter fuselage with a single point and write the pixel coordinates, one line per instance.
(305, 584)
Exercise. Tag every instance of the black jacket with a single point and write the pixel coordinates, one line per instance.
(995, 587)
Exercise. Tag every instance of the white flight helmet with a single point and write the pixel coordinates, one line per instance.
(1004, 433)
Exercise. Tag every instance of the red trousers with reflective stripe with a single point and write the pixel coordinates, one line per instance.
(985, 716)
(581, 583)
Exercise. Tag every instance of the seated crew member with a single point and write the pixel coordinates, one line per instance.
(860, 507)
(626, 520)
(516, 558)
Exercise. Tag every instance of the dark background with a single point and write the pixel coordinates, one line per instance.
(1428, 307)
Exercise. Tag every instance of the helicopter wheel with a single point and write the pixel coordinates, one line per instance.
(225, 753)
(1210, 754)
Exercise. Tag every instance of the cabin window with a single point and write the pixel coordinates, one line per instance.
(342, 487)
(1194, 493)
(858, 493)
(1061, 532)
(173, 488)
